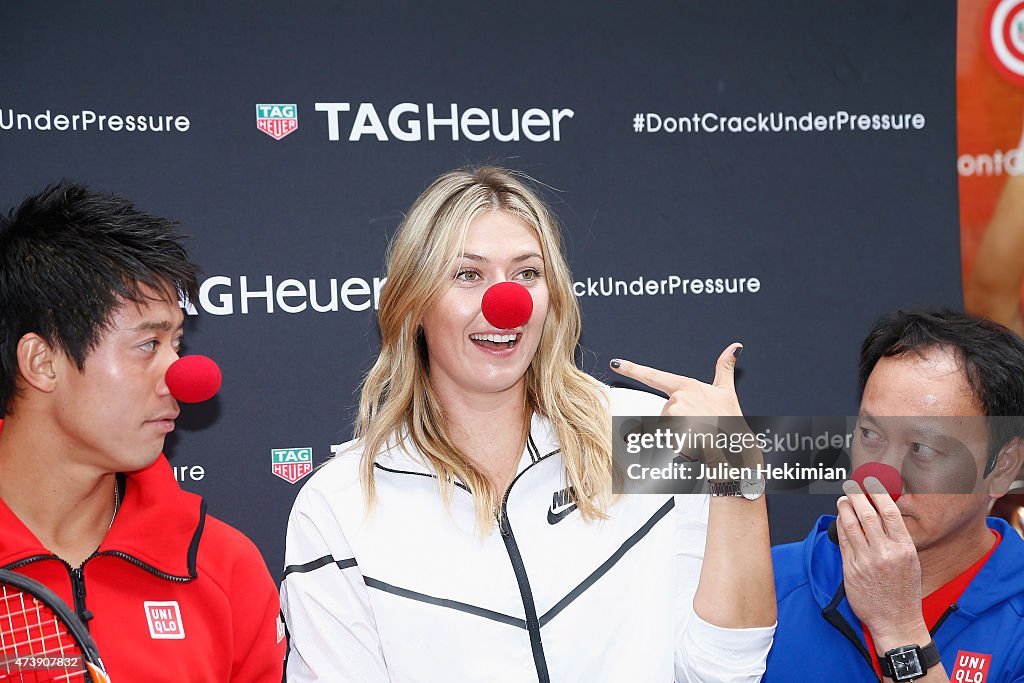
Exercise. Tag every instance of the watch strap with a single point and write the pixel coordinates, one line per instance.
(724, 488)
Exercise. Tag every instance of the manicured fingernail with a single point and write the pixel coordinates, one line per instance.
(615, 362)
(737, 351)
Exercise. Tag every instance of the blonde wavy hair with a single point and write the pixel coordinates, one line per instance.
(397, 401)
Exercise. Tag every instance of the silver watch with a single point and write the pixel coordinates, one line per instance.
(751, 489)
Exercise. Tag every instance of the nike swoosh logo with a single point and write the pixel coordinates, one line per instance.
(556, 517)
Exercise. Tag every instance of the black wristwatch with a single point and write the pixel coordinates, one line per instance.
(910, 662)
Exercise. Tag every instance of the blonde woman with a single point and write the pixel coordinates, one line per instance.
(469, 532)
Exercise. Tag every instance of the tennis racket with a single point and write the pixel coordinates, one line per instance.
(41, 638)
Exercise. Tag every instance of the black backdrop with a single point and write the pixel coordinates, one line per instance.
(835, 225)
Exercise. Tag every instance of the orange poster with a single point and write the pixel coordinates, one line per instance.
(990, 123)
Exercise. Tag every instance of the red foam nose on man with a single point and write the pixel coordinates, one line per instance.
(193, 379)
(887, 475)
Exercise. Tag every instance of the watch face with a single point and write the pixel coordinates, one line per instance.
(751, 489)
(905, 665)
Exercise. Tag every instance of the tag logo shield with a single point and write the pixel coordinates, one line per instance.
(291, 464)
(277, 120)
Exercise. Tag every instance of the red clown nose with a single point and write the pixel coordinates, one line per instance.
(888, 475)
(507, 305)
(193, 379)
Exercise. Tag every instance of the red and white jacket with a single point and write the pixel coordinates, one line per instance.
(171, 594)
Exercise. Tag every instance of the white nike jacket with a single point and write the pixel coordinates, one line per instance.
(411, 592)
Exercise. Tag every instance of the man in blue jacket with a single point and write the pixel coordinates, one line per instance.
(926, 588)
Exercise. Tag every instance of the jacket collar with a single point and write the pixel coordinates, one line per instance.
(822, 562)
(401, 456)
(1000, 579)
(157, 527)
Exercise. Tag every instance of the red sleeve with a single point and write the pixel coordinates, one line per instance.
(258, 642)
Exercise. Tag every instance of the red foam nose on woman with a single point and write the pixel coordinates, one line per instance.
(507, 305)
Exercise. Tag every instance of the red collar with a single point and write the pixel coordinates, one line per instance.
(939, 600)
(157, 525)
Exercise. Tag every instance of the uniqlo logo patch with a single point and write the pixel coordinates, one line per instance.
(971, 667)
(164, 620)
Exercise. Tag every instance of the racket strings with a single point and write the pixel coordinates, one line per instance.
(35, 645)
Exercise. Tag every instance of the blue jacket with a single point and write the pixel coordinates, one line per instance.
(820, 638)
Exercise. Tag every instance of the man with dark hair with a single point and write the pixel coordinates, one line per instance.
(923, 588)
(89, 323)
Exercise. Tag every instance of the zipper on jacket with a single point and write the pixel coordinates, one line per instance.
(142, 565)
(29, 560)
(532, 621)
(76, 577)
(516, 558)
(78, 591)
(945, 615)
(838, 621)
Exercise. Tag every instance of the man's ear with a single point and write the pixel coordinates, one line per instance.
(1008, 465)
(37, 362)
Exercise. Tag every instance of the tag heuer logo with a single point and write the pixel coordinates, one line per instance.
(277, 120)
(292, 464)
